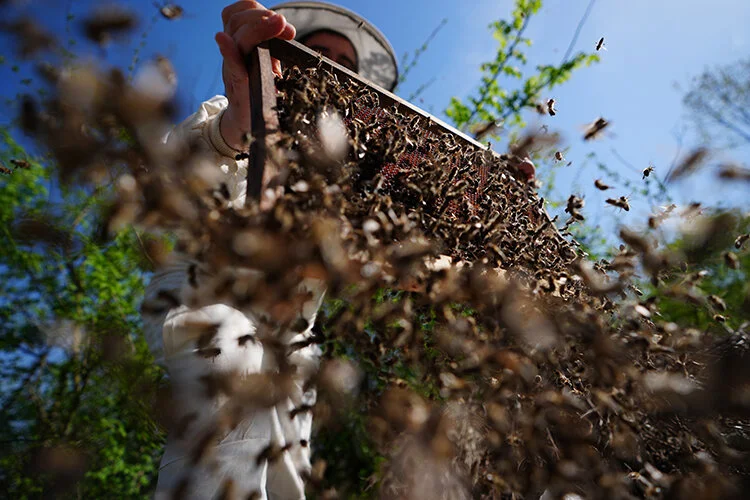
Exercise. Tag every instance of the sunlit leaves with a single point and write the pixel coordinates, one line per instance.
(507, 89)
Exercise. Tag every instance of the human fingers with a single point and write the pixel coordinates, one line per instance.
(246, 5)
(258, 30)
(229, 10)
(270, 23)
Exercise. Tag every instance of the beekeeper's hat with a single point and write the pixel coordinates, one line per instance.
(377, 61)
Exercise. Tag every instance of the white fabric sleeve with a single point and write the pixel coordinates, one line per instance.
(203, 129)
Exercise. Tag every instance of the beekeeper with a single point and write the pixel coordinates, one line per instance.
(218, 126)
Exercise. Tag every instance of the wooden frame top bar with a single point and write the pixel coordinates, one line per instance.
(292, 52)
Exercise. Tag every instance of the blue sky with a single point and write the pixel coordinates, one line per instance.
(653, 47)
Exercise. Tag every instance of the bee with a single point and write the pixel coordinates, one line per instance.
(551, 107)
(621, 202)
(600, 44)
(5, 170)
(741, 239)
(170, 11)
(647, 171)
(731, 260)
(719, 318)
(272, 453)
(575, 204)
(20, 164)
(31, 37)
(106, 22)
(717, 302)
(594, 129)
(300, 409)
(600, 185)
(559, 156)
(484, 129)
(361, 23)
(244, 339)
(689, 165)
(731, 172)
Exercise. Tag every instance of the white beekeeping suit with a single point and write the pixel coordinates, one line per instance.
(173, 343)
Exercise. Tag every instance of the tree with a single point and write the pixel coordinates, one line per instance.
(719, 105)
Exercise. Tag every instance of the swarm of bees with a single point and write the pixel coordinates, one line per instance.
(531, 368)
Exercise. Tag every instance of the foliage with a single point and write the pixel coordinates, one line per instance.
(71, 342)
(719, 105)
(504, 104)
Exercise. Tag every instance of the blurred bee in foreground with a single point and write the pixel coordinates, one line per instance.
(689, 165)
(593, 130)
(483, 129)
(107, 23)
(728, 171)
(601, 186)
(20, 163)
(741, 239)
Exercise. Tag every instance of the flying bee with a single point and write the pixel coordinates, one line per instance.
(731, 260)
(575, 204)
(717, 302)
(551, 107)
(20, 164)
(621, 202)
(647, 171)
(30, 37)
(732, 172)
(593, 130)
(689, 165)
(108, 22)
(170, 11)
(5, 170)
(300, 409)
(484, 129)
(741, 239)
(559, 156)
(600, 44)
(600, 185)
(272, 453)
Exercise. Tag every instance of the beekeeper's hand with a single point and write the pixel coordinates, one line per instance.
(246, 24)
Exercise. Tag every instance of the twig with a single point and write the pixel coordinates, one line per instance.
(573, 41)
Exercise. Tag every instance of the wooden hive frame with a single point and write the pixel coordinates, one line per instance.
(265, 162)
(265, 122)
